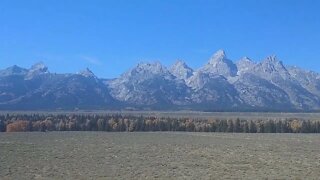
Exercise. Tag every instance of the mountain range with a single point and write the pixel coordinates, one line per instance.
(220, 85)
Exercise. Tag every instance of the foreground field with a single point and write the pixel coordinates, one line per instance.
(94, 155)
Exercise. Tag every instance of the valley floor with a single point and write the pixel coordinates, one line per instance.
(162, 155)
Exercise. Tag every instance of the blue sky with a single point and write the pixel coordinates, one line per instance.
(111, 36)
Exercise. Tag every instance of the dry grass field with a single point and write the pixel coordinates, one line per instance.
(168, 155)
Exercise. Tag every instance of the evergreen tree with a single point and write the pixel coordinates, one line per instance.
(101, 124)
(285, 127)
(317, 127)
(2, 126)
(230, 126)
(237, 126)
(223, 126)
(270, 127)
(304, 127)
(220, 126)
(278, 126)
(252, 127)
(260, 127)
(246, 127)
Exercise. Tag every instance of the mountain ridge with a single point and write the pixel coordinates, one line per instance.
(219, 85)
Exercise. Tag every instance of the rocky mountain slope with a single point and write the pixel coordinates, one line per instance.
(220, 85)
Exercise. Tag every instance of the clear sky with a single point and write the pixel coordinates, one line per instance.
(111, 36)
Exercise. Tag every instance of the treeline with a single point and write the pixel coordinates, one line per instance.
(118, 123)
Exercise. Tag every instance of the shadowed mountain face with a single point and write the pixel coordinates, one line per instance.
(220, 85)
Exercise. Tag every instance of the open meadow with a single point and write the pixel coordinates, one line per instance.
(158, 155)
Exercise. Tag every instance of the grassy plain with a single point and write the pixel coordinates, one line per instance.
(158, 155)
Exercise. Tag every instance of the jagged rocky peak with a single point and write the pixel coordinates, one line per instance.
(181, 70)
(273, 60)
(271, 68)
(218, 56)
(245, 59)
(245, 64)
(272, 64)
(198, 80)
(87, 73)
(155, 67)
(268, 85)
(179, 63)
(219, 64)
(145, 71)
(298, 72)
(39, 67)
